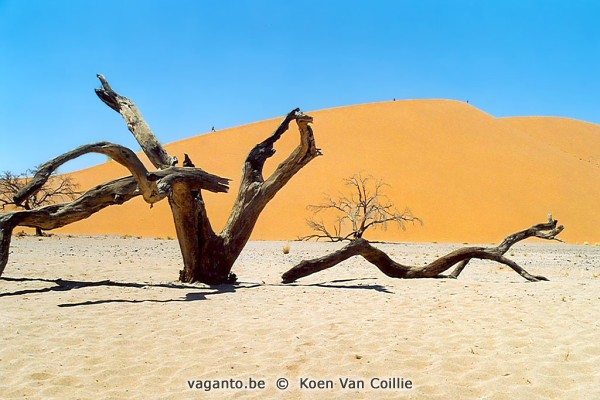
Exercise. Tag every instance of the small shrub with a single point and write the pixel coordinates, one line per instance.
(286, 249)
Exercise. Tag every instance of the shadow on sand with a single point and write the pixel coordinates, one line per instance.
(200, 291)
(63, 285)
(339, 284)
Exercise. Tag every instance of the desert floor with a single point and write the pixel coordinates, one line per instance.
(103, 317)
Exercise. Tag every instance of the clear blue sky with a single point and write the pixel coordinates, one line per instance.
(190, 65)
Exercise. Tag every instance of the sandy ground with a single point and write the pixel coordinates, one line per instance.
(102, 317)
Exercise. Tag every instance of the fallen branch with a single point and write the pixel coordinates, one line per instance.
(361, 247)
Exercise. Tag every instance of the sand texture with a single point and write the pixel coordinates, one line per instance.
(469, 176)
(101, 317)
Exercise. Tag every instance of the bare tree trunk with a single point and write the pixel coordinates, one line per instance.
(153, 186)
(218, 252)
(207, 256)
(461, 256)
(6, 229)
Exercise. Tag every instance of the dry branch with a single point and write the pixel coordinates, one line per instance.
(58, 188)
(255, 192)
(218, 252)
(381, 260)
(154, 186)
(137, 125)
(120, 154)
(111, 193)
(55, 216)
(208, 257)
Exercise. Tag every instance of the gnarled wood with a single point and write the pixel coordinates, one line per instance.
(548, 231)
(6, 229)
(393, 269)
(220, 251)
(120, 154)
(137, 125)
(208, 257)
(55, 216)
(111, 193)
(255, 192)
(153, 186)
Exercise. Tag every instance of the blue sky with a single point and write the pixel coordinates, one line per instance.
(191, 65)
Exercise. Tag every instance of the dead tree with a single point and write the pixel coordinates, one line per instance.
(364, 208)
(57, 188)
(368, 207)
(460, 257)
(207, 256)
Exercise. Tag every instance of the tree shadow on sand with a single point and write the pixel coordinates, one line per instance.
(199, 293)
(63, 285)
(339, 284)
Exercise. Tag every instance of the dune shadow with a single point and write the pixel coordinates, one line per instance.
(63, 285)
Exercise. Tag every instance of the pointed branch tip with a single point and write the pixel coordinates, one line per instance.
(104, 83)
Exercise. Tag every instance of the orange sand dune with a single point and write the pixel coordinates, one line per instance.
(579, 139)
(470, 177)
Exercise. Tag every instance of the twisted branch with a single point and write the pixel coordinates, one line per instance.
(362, 247)
(136, 124)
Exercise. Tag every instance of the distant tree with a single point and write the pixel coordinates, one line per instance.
(58, 188)
(364, 207)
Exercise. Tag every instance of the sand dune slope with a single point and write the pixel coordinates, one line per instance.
(470, 176)
(578, 139)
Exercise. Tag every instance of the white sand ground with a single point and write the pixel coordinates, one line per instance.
(68, 333)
